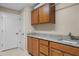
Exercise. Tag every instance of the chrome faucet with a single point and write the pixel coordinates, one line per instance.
(72, 37)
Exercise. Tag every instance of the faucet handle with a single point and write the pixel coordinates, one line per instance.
(70, 34)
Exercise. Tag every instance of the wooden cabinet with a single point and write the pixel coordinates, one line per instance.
(29, 45)
(52, 13)
(44, 48)
(54, 52)
(66, 50)
(33, 46)
(37, 46)
(44, 14)
(47, 13)
(35, 17)
(58, 52)
(44, 42)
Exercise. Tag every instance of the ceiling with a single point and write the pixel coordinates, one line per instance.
(16, 6)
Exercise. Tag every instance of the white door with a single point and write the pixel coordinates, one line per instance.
(11, 31)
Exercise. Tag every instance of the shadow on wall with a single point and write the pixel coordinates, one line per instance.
(44, 27)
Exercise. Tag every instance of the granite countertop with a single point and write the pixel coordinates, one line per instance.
(56, 38)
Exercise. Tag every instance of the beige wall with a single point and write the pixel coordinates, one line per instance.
(67, 20)
(2, 9)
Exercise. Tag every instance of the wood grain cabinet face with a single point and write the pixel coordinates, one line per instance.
(44, 42)
(44, 14)
(44, 48)
(33, 46)
(35, 17)
(52, 13)
(29, 45)
(66, 49)
(54, 52)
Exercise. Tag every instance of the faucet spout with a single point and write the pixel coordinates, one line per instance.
(72, 37)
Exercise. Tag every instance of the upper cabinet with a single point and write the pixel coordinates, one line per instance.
(44, 14)
(52, 12)
(35, 17)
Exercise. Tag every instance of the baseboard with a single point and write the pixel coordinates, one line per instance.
(9, 49)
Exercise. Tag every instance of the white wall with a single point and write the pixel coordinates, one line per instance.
(26, 14)
(67, 20)
(2, 9)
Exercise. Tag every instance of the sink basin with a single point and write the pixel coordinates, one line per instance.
(69, 41)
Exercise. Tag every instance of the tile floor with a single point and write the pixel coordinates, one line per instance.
(14, 52)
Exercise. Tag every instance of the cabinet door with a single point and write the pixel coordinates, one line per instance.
(52, 13)
(44, 14)
(29, 44)
(35, 47)
(44, 47)
(35, 16)
(54, 52)
(44, 50)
